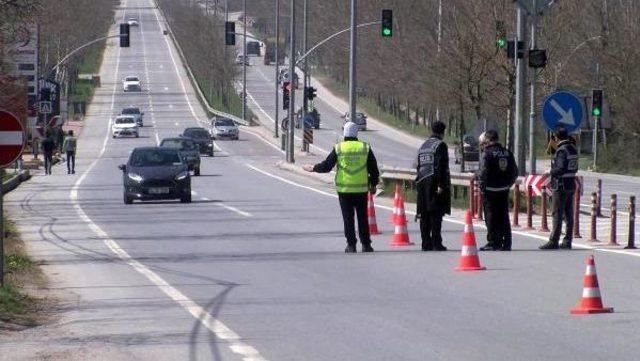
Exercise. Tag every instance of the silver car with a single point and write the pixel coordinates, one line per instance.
(134, 112)
(224, 128)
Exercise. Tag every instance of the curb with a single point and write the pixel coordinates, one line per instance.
(15, 181)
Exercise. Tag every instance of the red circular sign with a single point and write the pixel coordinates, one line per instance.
(11, 138)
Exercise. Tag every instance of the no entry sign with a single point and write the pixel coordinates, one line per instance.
(11, 138)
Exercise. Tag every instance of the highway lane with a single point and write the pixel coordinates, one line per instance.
(259, 250)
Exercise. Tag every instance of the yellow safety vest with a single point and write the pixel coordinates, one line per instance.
(352, 175)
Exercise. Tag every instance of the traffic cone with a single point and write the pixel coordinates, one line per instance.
(591, 300)
(400, 234)
(469, 260)
(371, 213)
(396, 204)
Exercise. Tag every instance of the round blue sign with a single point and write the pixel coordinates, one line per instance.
(563, 108)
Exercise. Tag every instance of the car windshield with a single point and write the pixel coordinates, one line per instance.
(130, 111)
(180, 144)
(154, 158)
(197, 133)
(131, 78)
(224, 123)
(126, 120)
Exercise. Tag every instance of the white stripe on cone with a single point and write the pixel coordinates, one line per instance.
(400, 229)
(468, 228)
(591, 270)
(468, 251)
(11, 138)
(590, 292)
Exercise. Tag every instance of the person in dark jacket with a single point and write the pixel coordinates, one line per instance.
(498, 172)
(48, 146)
(563, 173)
(434, 188)
(357, 173)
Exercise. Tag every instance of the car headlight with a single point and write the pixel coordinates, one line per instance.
(135, 177)
(182, 176)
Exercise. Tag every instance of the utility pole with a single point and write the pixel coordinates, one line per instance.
(352, 61)
(305, 28)
(292, 71)
(226, 10)
(1, 229)
(244, 61)
(275, 129)
(438, 53)
(518, 147)
(534, 75)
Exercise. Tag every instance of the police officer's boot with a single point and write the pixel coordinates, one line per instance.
(367, 247)
(350, 249)
(549, 245)
(566, 244)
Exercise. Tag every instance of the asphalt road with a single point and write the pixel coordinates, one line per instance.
(254, 268)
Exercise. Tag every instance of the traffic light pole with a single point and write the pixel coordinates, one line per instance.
(277, 114)
(244, 61)
(305, 28)
(353, 61)
(292, 70)
(534, 75)
(519, 147)
(596, 124)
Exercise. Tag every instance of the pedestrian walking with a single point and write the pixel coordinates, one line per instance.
(564, 167)
(48, 146)
(498, 172)
(433, 181)
(357, 173)
(69, 147)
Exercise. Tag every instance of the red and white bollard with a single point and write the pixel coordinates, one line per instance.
(544, 226)
(599, 190)
(576, 213)
(516, 206)
(472, 197)
(594, 217)
(529, 225)
(613, 231)
(631, 242)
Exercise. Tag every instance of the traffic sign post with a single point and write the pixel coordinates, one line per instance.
(563, 108)
(11, 146)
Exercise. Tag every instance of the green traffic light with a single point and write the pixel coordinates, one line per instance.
(386, 32)
(596, 112)
(501, 42)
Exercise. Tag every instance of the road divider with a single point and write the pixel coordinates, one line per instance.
(544, 225)
(613, 241)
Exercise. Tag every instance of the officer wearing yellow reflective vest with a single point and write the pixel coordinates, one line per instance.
(357, 173)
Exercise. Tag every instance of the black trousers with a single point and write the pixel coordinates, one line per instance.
(48, 162)
(355, 204)
(496, 216)
(71, 162)
(562, 209)
(431, 229)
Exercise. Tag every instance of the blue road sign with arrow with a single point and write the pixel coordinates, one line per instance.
(563, 108)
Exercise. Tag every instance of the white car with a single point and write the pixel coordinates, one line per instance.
(131, 84)
(125, 126)
(133, 21)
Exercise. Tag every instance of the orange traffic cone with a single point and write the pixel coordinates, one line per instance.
(396, 204)
(469, 260)
(371, 212)
(591, 300)
(400, 234)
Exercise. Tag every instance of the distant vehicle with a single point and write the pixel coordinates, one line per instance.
(253, 48)
(136, 113)
(284, 76)
(240, 59)
(124, 126)
(188, 150)
(155, 173)
(270, 51)
(470, 148)
(131, 84)
(133, 21)
(361, 119)
(222, 128)
(202, 138)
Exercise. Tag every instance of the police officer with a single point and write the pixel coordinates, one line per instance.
(498, 171)
(357, 174)
(434, 188)
(563, 172)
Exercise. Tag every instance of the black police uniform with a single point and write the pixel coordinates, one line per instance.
(498, 171)
(563, 172)
(433, 172)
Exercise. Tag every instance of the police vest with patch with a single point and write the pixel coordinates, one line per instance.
(352, 175)
(566, 159)
(427, 158)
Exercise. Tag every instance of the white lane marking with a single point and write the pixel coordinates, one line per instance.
(218, 328)
(146, 72)
(448, 219)
(226, 206)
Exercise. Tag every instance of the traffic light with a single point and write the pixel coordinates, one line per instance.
(230, 33)
(537, 58)
(501, 34)
(387, 23)
(310, 93)
(124, 35)
(511, 49)
(596, 102)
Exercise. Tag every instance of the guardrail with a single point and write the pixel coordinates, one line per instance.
(409, 175)
(192, 78)
(13, 182)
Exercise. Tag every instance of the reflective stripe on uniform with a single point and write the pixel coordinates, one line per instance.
(497, 189)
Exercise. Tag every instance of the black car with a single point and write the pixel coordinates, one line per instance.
(155, 173)
(202, 138)
(188, 151)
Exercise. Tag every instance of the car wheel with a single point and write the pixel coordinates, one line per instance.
(114, 137)
(196, 171)
(127, 199)
(187, 197)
